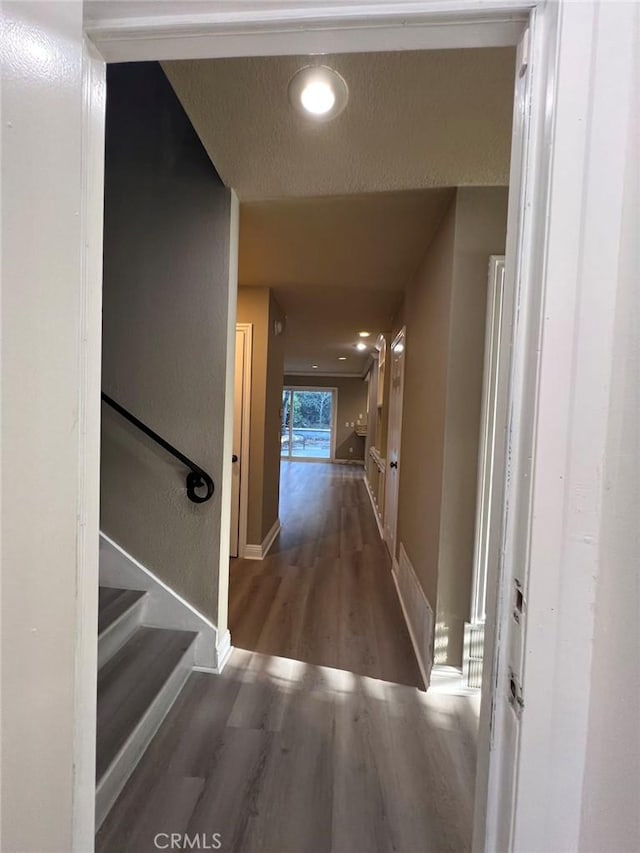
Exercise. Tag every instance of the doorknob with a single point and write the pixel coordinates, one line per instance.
(234, 458)
(393, 464)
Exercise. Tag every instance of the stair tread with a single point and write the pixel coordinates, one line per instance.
(129, 682)
(112, 603)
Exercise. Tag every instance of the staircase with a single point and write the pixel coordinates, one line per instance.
(141, 672)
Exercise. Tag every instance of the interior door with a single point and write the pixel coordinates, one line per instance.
(238, 414)
(394, 436)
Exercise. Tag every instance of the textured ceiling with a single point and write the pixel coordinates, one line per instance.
(337, 266)
(415, 119)
(323, 322)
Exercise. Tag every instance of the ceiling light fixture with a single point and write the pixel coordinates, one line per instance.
(342, 358)
(314, 366)
(318, 92)
(365, 334)
(361, 345)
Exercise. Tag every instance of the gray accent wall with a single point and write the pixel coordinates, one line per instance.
(166, 261)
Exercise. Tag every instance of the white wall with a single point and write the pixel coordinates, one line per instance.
(49, 456)
(577, 775)
(611, 788)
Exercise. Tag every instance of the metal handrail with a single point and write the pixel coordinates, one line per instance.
(197, 478)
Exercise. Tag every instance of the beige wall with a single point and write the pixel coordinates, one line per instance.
(352, 405)
(444, 313)
(256, 305)
(166, 245)
(480, 231)
(273, 408)
(427, 309)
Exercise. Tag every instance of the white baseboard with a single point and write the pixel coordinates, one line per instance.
(417, 612)
(259, 552)
(164, 608)
(223, 651)
(374, 507)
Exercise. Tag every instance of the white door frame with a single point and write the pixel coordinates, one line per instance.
(391, 530)
(565, 212)
(245, 438)
(495, 390)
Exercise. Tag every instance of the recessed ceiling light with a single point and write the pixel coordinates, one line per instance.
(318, 92)
(317, 97)
(342, 358)
(314, 366)
(361, 345)
(365, 334)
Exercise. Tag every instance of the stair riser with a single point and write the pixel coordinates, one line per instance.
(117, 634)
(114, 779)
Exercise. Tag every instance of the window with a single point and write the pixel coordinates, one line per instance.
(307, 423)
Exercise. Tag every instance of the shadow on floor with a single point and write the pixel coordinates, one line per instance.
(277, 756)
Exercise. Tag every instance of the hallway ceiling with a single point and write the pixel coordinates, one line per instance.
(337, 266)
(335, 217)
(415, 119)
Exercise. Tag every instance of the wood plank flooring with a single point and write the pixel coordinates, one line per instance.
(316, 738)
(324, 594)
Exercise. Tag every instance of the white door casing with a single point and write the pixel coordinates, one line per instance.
(241, 438)
(52, 94)
(500, 710)
(495, 388)
(395, 360)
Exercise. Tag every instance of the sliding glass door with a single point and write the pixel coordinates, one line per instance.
(307, 423)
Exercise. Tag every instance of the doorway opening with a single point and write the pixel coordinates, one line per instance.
(336, 534)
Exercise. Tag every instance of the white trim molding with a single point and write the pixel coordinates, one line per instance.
(229, 399)
(316, 373)
(164, 608)
(122, 33)
(245, 434)
(418, 613)
(223, 652)
(259, 552)
(374, 507)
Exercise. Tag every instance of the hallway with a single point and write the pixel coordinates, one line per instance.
(324, 594)
(316, 738)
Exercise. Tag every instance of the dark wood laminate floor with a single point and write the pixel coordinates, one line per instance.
(280, 756)
(311, 744)
(324, 594)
